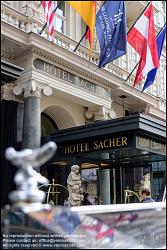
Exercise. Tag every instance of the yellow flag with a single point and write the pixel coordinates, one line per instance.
(86, 9)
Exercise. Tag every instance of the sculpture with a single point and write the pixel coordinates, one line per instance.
(74, 187)
(33, 9)
(26, 177)
(145, 183)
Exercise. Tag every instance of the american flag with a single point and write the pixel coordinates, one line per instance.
(49, 7)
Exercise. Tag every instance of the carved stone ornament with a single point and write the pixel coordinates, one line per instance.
(47, 91)
(31, 88)
(88, 114)
(33, 9)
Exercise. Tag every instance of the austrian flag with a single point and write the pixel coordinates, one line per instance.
(142, 37)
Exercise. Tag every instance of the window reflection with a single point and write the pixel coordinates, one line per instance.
(60, 17)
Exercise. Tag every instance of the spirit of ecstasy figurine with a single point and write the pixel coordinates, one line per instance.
(26, 178)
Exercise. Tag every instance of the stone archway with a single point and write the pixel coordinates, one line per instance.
(62, 118)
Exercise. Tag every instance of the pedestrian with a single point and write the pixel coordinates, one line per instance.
(146, 196)
(85, 201)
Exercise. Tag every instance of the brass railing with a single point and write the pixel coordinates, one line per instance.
(128, 194)
(53, 190)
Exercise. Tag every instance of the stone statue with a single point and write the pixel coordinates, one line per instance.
(33, 9)
(145, 183)
(26, 177)
(74, 187)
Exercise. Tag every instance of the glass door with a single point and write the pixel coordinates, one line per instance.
(134, 180)
(90, 184)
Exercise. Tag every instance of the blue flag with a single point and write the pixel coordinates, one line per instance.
(111, 30)
(151, 74)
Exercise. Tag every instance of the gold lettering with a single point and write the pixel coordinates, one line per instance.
(72, 148)
(112, 142)
(86, 147)
(117, 142)
(95, 145)
(106, 146)
(77, 146)
(124, 141)
(107, 143)
(100, 144)
(66, 150)
(82, 147)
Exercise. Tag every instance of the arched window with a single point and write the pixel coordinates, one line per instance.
(48, 126)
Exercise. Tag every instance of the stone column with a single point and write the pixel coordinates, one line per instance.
(105, 187)
(31, 123)
(31, 91)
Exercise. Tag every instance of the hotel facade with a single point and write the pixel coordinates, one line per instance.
(114, 132)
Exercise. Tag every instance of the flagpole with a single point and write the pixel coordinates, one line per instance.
(132, 71)
(41, 31)
(139, 60)
(81, 38)
(139, 17)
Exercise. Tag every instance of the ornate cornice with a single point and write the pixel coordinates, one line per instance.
(13, 55)
(61, 63)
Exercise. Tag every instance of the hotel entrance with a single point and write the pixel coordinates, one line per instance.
(107, 184)
(117, 158)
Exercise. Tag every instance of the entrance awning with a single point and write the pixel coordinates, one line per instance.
(123, 139)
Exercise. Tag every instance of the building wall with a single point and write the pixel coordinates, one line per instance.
(26, 18)
(69, 105)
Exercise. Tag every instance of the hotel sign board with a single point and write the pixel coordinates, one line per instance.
(97, 145)
(150, 145)
(64, 75)
(114, 142)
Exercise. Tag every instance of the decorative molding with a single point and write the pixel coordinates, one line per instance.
(22, 30)
(146, 109)
(98, 113)
(88, 114)
(68, 66)
(13, 55)
(137, 106)
(31, 88)
(7, 93)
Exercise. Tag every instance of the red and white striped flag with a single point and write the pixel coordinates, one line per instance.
(142, 37)
(49, 7)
